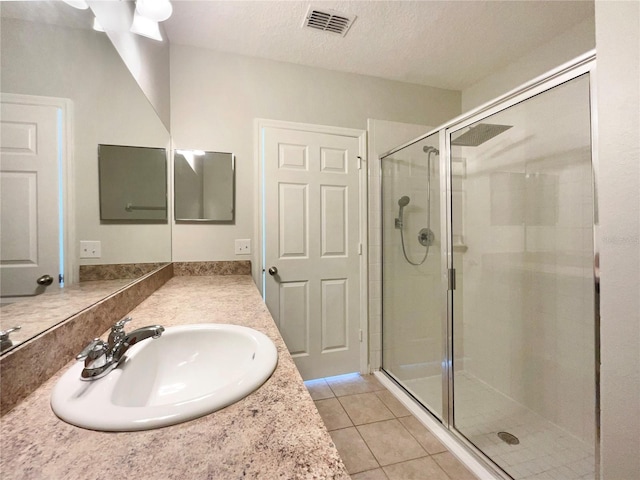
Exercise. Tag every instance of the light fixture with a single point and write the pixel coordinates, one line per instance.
(146, 27)
(96, 25)
(147, 16)
(79, 4)
(156, 10)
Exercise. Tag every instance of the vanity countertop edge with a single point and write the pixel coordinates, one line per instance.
(273, 433)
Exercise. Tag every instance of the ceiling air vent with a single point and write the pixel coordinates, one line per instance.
(328, 20)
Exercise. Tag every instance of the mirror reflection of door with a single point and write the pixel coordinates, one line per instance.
(30, 152)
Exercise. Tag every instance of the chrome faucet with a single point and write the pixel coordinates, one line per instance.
(101, 357)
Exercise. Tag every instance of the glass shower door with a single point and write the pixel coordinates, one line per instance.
(412, 302)
(523, 315)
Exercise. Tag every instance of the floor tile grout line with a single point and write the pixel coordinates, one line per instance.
(426, 455)
(356, 393)
(366, 444)
(396, 417)
(342, 428)
(411, 434)
(372, 469)
(446, 474)
(368, 448)
(345, 412)
(374, 456)
(404, 461)
(365, 423)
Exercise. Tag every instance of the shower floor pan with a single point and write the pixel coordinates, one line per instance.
(544, 452)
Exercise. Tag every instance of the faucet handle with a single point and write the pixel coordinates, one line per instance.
(119, 325)
(95, 357)
(90, 349)
(117, 331)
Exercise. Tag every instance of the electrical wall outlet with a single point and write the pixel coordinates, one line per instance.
(243, 246)
(90, 249)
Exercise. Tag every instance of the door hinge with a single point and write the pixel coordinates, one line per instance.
(360, 249)
(360, 335)
(452, 279)
(359, 162)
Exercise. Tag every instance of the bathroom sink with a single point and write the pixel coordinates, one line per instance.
(188, 372)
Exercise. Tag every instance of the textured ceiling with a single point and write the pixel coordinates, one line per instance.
(447, 44)
(55, 13)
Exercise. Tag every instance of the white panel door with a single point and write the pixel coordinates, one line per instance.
(312, 218)
(29, 198)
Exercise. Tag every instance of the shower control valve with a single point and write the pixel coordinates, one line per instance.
(426, 237)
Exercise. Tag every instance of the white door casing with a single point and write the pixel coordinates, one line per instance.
(314, 219)
(32, 145)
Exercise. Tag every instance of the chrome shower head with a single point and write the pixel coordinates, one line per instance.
(402, 202)
(479, 134)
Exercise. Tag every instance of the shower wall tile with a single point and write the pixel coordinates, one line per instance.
(375, 341)
(375, 290)
(375, 310)
(375, 359)
(375, 258)
(375, 262)
(375, 275)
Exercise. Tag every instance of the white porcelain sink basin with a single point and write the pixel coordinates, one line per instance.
(188, 372)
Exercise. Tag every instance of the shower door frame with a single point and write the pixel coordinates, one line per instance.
(584, 64)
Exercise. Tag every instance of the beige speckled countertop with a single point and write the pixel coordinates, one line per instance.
(274, 433)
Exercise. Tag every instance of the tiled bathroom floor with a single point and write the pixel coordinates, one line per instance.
(376, 436)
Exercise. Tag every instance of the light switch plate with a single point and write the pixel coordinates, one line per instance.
(90, 249)
(243, 246)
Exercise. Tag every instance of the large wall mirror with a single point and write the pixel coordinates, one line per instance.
(50, 55)
(204, 187)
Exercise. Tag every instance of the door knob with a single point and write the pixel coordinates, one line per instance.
(273, 271)
(45, 280)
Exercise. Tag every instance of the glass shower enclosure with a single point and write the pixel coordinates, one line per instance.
(489, 313)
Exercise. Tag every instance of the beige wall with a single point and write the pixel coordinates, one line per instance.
(618, 45)
(216, 97)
